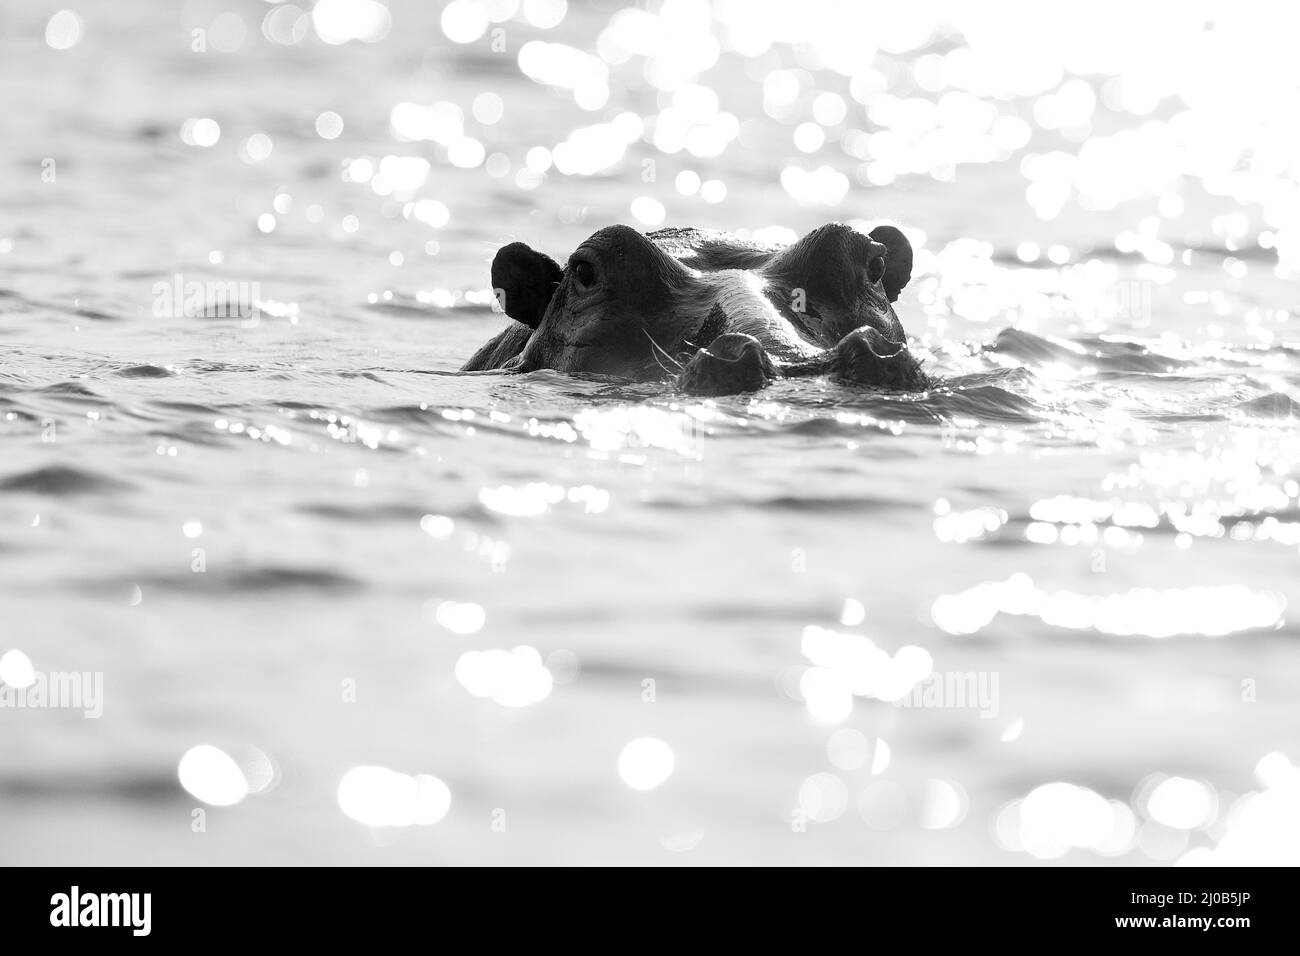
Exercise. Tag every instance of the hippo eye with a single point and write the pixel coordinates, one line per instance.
(584, 272)
(876, 269)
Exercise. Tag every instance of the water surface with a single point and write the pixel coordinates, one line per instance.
(293, 535)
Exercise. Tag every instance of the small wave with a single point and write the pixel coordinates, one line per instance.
(711, 682)
(267, 579)
(1272, 405)
(802, 504)
(286, 579)
(1181, 418)
(411, 414)
(857, 504)
(1105, 355)
(1013, 530)
(985, 403)
(365, 513)
(546, 383)
(186, 408)
(1114, 355)
(67, 390)
(143, 371)
(413, 308)
(361, 373)
(144, 786)
(817, 428)
(95, 315)
(1016, 377)
(62, 480)
(968, 397)
(193, 432)
(1039, 349)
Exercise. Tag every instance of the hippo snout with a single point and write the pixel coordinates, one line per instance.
(866, 357)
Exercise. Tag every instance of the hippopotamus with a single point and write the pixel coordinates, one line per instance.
(707, 310)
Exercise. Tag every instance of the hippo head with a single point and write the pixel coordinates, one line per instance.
(632, 305)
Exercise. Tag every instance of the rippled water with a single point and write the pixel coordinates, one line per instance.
(302, 545)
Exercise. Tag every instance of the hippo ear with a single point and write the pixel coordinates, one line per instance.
(898, 260)
(524, 280)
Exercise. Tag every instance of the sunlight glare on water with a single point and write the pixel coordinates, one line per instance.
(379, 797)
(211, 775)
(1142, 612)
(646, 763)
(242, 484)
(514, 678)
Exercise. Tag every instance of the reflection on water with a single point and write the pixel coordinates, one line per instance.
(645, 763)
(513, 678)
(1145, 612)
(209, 774)
(1255, 829)
(1038, 613)
(378, 797)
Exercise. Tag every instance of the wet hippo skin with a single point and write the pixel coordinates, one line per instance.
(709, 311)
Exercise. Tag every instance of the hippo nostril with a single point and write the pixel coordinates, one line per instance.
(584, 272)
(876, 269)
